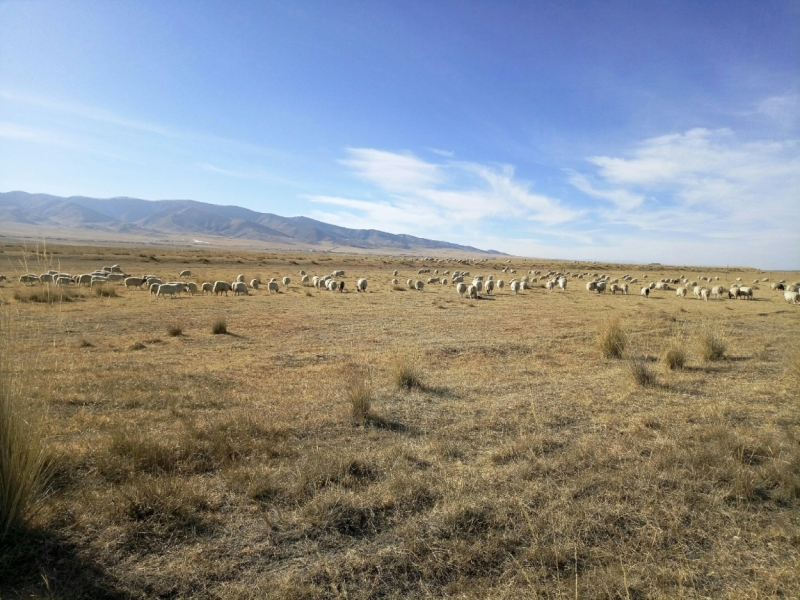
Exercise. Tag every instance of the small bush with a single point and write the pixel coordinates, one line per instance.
(710, 344)
(25, 466)
(674, 357)
(358, 390)
(611, 339)
(405, 373)
(46, 294)
(104, 291)
(175, 330)
(220, 325)
(640, 372)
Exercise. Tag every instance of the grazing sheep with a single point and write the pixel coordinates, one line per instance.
(704, 294)
(286, 282)
(394, 281)
(515, 285)
(302, 273)
(792, 297)
(185, 273)
(717, 291)
(472, 292)
(130, 282)
(746, 293)
(240, 278)
(153, 287)
(361, 285)
(341, 286)
(338, 273)
(624, 288)
(500, 284)
(395, 273)
(478, 284)
(418, 285)
(239, 288)
(681, 292)
(562, 283)
(191, 287)
(221, 287)
(461, 288)
(614, 288)
(777, 286)
(591, 286)
(410, 284)
(444, 281)
(207, 287)
(645, 292)
(304, 279)
(489, 286)
(254, 283)
(273, 286)
(172, 289)
(601, 287)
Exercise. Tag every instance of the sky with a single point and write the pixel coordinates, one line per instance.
(616, 131)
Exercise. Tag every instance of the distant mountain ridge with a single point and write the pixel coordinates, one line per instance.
(189, 217)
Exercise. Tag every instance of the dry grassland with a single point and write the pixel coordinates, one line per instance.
(405, 444)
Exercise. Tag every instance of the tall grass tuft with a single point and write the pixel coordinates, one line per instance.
(793, 365)
(674, 356)
(611, 339)
(358, 390)
(24, 462)
(175, 330)
(219, 325)
(710, 343)
(640, 372)
(406, 373)
(104, 291)
(46, 294)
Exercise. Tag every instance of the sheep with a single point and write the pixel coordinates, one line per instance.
(746, 293)
(614, 288)
(254, 283)
(591, 286)
(777, 286)
(152, 280)
(341, 286)
(304, 279)
(733, 293)
(696, 291)
(418, 285)
(221, 287)
(410, 284)
(239, 278)
(286, 281)
(461, 288)
(792, 297)
(704, 294)
(681, 292)
(645, 292)
(302, 273)
(500, 284)
(472, 292)
(793, 288)
(652, 285)
(549, 285)
(458, 278)
(239, 288)
(395, 273)
(515, 285)
(562, 283)
(624, 288)
(116, 269)
(478, 284)
(338, 273)
(394, 281)
(207, 287)
(273, 286)
(153, 287)
(169, 288)
(116, 277)
(717, 291)
(489, 286)
(185, 273)
(601, 287)
(361, 285)
(63, 280)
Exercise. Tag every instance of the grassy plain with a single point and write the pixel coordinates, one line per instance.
(291, 458)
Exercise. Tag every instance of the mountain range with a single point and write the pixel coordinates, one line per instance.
(140, 218)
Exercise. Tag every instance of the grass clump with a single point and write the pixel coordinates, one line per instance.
(611, 339)
(358, 390)
(219, 325)
(24, 470)
(46, 294)
(640, 372)
(793, 366)
(406, 374)
(674, 357)
(104, 291)
(710, 344)
(175, 330)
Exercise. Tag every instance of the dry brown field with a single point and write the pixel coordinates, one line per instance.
(519, 463)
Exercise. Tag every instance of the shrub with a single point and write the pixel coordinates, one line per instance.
(674, 357)
(710, 344)
(640, 372)
(611, 339)
(104, 291)
(405, 373)
(46, 294)
(220, 325)
(358, 390)
(175, 330)
(24, 462)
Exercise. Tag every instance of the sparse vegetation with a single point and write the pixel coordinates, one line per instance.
(46, 294)
(105, 290)
(219, 325)
(523, 464)
(710, 343)
(406, 373)
(674, 355)
(793, 363)
(640, 371)
(175, 330)
(611, 339)
(24, 470)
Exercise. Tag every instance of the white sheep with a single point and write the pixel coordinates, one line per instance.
(515, 285)
(207, 287)
(624, 288)
(302, 273)
(500, 284)
(239, 288)
(410, 284)
(304, 279)
(361, 285)
(645, 292)
(394, 282)
(286, 282)
(418, 285)
(254, 283)
(704, 294)
(172, 289)
(185, 273)
(240, 278)
(562, 283)
(792, 297)
(191, 287)
(472, 292)
(130, 282)
(221, 287)
(461, 288)
(395, 273)
(273, 286)
(717, 291)
(746, 293)
(681, 292)
(489, 286)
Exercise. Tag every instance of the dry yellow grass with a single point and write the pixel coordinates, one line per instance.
(206, 465)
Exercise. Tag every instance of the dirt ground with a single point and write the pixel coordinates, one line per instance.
(517, 462)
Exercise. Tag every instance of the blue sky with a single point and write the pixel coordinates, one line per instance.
(633, 131)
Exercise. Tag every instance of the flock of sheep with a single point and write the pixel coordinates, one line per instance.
(480, 284)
